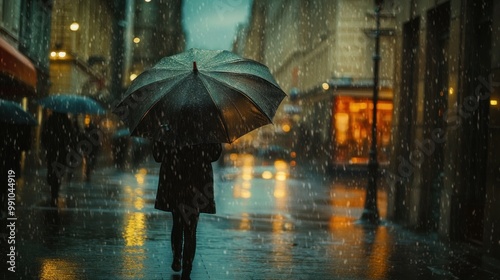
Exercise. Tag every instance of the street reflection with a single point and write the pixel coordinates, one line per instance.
(134, 230)
(245, 223)
(347, 199)
(282, 254)
(58, 269)
(242, 187)
(134, 233)
(378, 265)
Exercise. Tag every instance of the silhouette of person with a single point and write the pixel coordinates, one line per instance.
(185, 188)
(91, 154)
(16, 139)
(57, 135)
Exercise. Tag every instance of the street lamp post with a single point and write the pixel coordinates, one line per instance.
(370, 212)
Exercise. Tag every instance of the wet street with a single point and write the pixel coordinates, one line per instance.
(272, 222)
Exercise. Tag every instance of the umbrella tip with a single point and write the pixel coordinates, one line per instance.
(195, 68)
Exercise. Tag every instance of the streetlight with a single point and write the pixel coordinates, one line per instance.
(370, 212)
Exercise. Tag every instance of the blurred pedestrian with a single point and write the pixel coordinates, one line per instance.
(57, 139)
(92, 153)
(185, 188)
(120, 143)
(16, 139)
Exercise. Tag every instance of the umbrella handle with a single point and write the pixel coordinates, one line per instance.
(195, 68)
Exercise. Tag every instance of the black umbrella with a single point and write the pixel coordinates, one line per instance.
(12, 113)
(203, 96)
(72, 103)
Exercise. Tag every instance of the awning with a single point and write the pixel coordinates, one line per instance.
(16, 66)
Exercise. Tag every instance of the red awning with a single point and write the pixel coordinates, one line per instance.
(15, 65)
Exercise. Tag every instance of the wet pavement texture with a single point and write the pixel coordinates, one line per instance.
(271, 223)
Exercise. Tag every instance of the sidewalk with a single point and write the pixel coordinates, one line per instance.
(263, 229)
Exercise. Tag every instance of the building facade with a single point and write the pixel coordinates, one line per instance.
(80, 54)
(444, 170)
(24, 44)
(157, 32)
(321, 54)
(24, 64)
(97, 47)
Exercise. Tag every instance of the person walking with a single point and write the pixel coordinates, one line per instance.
(185, 188)
(91, 154)
(57, 139)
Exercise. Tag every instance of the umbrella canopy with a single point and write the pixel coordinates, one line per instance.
(12, 113)
(72, 103)
(203, 96)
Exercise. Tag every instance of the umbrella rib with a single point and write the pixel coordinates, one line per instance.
(243, 93)
(226, 130)
(134, 87)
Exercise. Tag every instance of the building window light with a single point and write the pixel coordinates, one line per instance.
(74, 26)
(325, 86)
(58, 54)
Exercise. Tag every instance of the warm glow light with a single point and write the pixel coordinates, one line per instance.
(246, 194)
(246, 176)
(384, 106)
(245, 223)
(134, 232)
(240, 191)
(280, 165)
(137, 40)
(74, 26)
(357, 106)
(342, 122)
(54, 268)
(53, 54)
(286, 128)
(325, 86)
(133, 76)
(493, 102)
(281, 176)
(86, 121)
(141, 175)
(267, 175)
(233, 156)
(61, 54)
(450, 90)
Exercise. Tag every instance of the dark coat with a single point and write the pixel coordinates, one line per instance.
(186, 177)
(58, 136)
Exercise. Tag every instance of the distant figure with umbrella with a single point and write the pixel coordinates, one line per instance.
(15, 125)
(188, 104)
(186, 189)
(58, 137)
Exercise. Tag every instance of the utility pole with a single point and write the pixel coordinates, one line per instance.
(370, 213)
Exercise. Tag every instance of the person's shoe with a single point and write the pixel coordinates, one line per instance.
(176, 265)
(186, 272)
(186, 275)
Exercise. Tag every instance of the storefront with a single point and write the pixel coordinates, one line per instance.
(334, 126)
(352, 124)
(18, 75)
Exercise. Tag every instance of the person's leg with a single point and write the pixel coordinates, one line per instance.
(176, 241)
(190, 225)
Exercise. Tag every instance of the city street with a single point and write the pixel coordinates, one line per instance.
(272, 222)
